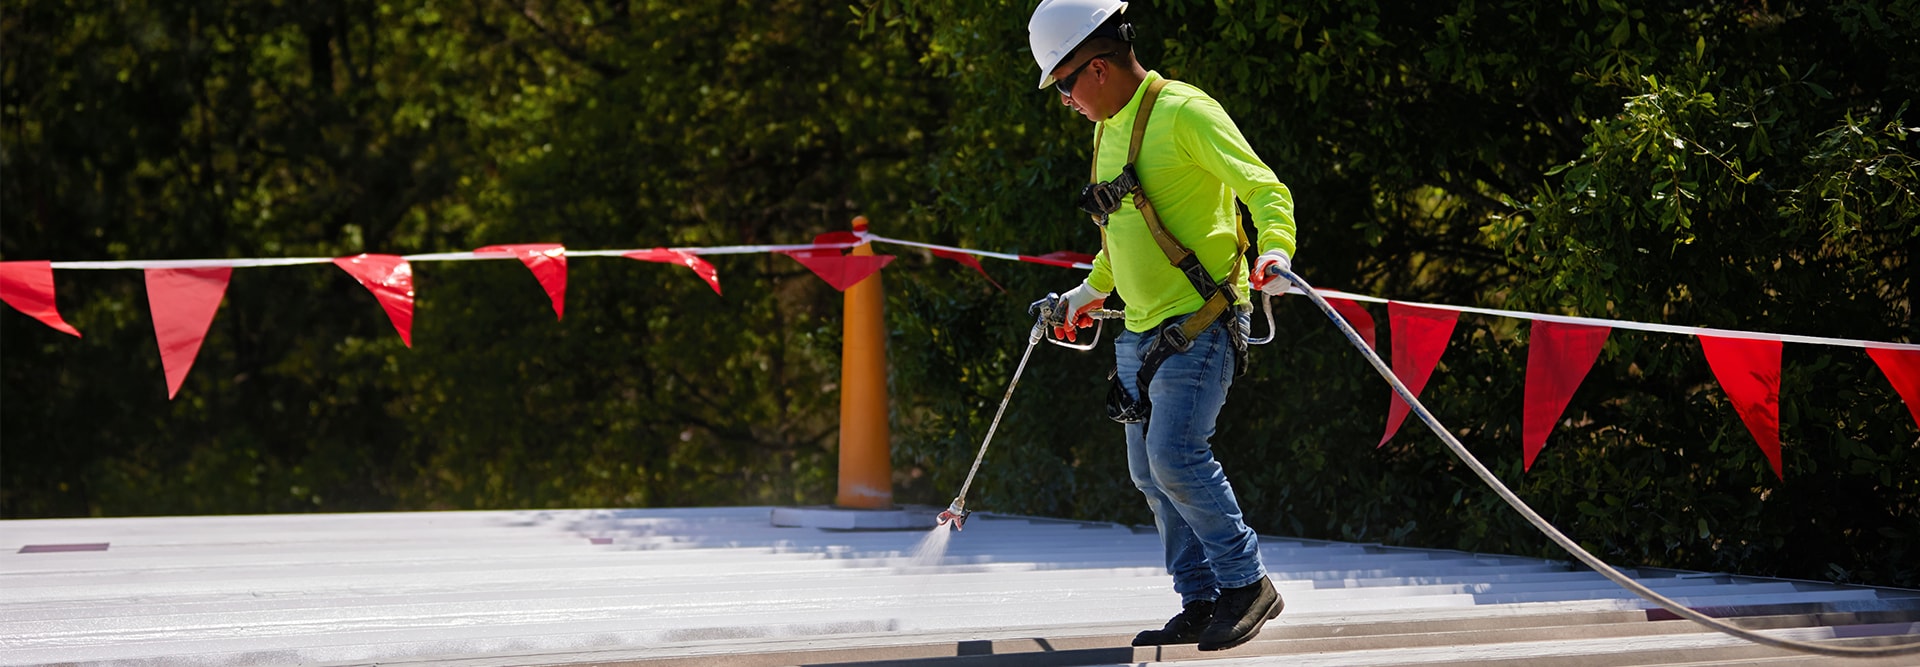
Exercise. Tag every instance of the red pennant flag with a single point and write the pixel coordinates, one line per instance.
(840, 271)
(1356, 316)
(1060, 258)
(1749, 370)
(700, 266)
(390, 279)
(1557, 360)
(1902, 368)
(28, 286)
(183, 302)
(968, 260)
(1419, 337)
(547, 261)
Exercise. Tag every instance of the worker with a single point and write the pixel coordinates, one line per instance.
(1168, 166)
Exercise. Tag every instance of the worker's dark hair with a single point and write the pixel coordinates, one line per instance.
(1113, 40)
(1115, 27)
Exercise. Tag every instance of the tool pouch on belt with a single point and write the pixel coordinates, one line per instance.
(1168, 339)
(1121, 407)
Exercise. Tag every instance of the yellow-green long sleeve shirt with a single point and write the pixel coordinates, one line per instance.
(1193, 160)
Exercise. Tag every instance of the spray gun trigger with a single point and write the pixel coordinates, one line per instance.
(1049, 310)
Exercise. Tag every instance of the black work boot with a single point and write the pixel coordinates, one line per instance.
(1183, 629)
(1239, 613)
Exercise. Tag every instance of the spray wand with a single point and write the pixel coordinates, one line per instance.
(1050, 313)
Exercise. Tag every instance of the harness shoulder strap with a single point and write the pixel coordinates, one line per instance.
(1140, 119)
(1139, 130)
(1218, 298)
(1169, 246)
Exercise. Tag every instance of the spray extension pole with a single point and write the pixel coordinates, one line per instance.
(1049, 312)
(957, 512)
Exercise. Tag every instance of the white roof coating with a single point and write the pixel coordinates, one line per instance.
(724, 586)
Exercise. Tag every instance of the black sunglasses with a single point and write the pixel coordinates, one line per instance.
(1065, 86)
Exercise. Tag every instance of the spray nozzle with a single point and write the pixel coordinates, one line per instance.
(955, 514)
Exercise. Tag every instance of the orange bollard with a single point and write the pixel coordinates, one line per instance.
(866, 457)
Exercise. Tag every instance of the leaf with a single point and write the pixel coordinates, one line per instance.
(1621, 31)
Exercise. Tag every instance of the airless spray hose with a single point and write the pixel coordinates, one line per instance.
(1561, 539)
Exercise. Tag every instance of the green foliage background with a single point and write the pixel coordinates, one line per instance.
(1742, 165)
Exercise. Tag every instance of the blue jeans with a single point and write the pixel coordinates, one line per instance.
(1208, 545)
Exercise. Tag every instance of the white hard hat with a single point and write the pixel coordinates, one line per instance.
(1058, 26)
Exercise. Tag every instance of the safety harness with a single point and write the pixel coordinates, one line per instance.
(1101, 199)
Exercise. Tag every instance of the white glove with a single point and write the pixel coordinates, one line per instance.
(1075, 304)
(1271, 284)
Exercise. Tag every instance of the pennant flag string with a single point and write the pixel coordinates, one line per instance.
(427, 257)
(1086, 263)
(1053, 259)
(204, 263)
(725, 249)
(184, 295)
(1673, 329)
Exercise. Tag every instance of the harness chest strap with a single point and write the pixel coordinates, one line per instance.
(1218, 298)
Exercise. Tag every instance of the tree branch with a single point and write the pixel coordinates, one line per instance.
(571, 52)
